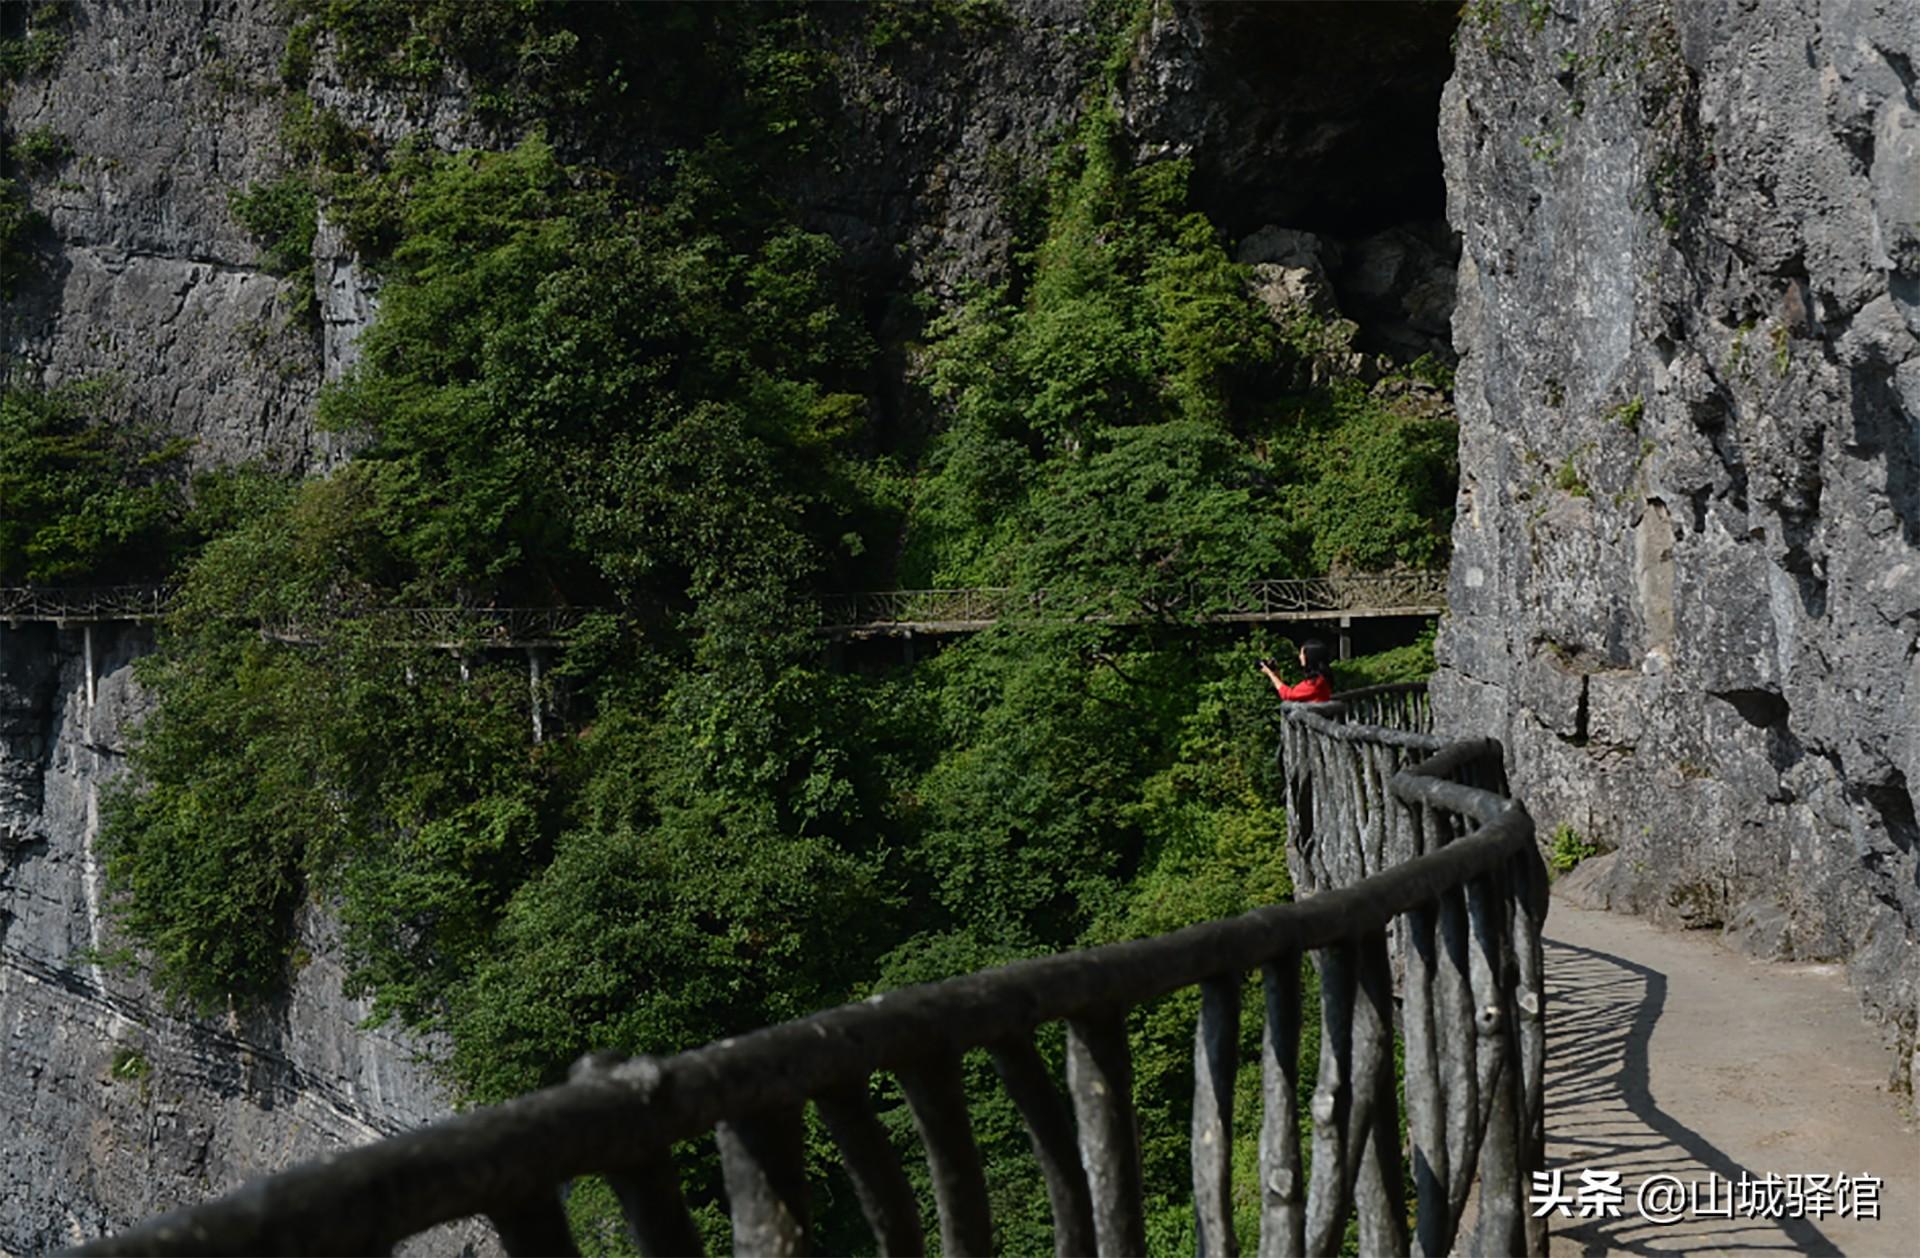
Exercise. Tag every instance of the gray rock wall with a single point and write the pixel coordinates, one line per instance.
(144, 275)
(1685, 588)
(113, 1108)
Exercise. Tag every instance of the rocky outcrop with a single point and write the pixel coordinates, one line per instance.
(1685, 589)
(116, 1109)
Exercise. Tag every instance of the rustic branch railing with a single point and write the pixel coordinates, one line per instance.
(1471, 897)
(472, 628)
(1469, 965)
(486, 626)
(85, 603)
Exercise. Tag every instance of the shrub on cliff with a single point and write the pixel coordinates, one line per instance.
(84, 501)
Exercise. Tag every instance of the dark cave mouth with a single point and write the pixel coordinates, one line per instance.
(1332, 121)
(1329, 126)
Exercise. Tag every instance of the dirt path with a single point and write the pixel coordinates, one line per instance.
(1668, 1053)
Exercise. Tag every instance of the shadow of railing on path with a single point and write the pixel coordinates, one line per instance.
(1604, 1116)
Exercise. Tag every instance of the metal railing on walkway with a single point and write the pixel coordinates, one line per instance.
(447, 628)
(1404, 840)
(873, 613)
(82, 604)
(962, 610)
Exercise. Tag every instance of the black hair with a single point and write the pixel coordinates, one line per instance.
(1316, 657)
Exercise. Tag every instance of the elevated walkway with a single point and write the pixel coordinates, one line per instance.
(1337, 599)
(870, 614)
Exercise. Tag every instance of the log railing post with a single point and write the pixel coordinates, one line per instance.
(939, 1104)
(1502, 1198)
(1330, 1190)
(1529, 882)
(1379, 1195)
(1282, 1190)
(1216, 1057)
(1050, 1130)
(1100, 1079)
(761, 1159)
(886, 1198)
(1426, 1109)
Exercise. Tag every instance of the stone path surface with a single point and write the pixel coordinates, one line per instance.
(1669, 1054)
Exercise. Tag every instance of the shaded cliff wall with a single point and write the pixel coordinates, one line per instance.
(110, 1108)
(115, 1109)
(1685, 588)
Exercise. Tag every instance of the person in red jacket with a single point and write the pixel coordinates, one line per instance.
(1317, 684)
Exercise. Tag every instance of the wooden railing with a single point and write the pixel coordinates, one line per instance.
(485, 626)
(471, 628)
(85, 603)
(1371, 790)
(1466, 903)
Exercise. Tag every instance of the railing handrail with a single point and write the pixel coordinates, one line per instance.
(117, 602)
(500, 1160)
(1419, 589)
(452, 1169)
(965, 606)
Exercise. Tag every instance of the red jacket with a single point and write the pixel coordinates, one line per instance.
(1312, 690)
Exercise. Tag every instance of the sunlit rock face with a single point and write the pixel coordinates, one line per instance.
(1685, 588)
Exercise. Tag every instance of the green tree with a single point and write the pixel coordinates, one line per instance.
(82, 499)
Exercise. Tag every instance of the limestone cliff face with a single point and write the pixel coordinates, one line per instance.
(115, 1109)
(144, 275)
(110, 1108)
(1685, 588)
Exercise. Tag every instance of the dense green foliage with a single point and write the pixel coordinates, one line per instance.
(282, 215)
(83, 499)
(657, 396)
(41, 39)
(1127, 428)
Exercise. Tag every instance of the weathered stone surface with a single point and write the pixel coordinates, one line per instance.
(1684, 589)
(116, 1109)
(145, 276)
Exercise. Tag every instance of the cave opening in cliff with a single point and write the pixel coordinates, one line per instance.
(1323, 119)
(1332, 125)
